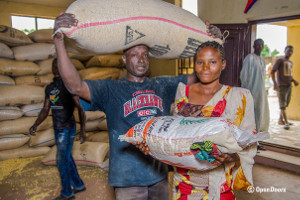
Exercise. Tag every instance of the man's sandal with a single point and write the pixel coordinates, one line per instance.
(286, 127)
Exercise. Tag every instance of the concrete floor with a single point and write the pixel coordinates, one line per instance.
(29, 179)
(278, 135)
(265, 178)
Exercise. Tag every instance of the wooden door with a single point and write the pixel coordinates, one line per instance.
(237, 47)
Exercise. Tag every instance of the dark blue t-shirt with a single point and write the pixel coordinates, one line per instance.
(127, 103)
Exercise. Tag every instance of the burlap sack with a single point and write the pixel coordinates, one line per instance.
(88, 154)
(43, 138)
(32, 110)
(90, 115)
(17, 68)
(46, 66)
(22, 125)
(101, 136)
(103, 125)
(13, 37)
(6, 80)
(20, 95)
(41, 80)
(93, 125)
(23, 152)
(42, 35)
(5, 51)
(33, 52)
(95, 73)
(104, 28)
(9, 113)
(123, 73)
(12, 141)
(78, 64)
(80, 57)
(106, 61)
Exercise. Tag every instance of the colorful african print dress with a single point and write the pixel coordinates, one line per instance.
(233, 103)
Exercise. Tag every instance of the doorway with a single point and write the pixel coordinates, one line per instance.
(272, 51)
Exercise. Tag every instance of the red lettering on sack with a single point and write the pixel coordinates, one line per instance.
(178, 154)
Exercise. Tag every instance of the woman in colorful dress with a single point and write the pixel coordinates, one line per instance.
(209, 98)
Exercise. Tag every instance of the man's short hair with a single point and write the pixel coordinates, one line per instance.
(258, 40)
(288, 47)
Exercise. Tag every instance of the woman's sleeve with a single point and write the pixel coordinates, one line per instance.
(248, 122)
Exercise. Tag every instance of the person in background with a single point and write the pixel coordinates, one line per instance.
(283, 85)
(62, 104)
(252, 77)
(126, 102)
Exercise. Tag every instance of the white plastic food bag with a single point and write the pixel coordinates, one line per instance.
(169, 138)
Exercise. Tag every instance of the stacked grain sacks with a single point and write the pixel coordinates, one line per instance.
(25, 70)
(17, 70)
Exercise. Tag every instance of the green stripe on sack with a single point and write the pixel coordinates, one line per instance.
(189, 122)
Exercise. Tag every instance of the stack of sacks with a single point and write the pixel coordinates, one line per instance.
(20, 88)
(103, 67)
(94, 152)
(25, 70)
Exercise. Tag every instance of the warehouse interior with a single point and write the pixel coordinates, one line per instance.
(32, 175)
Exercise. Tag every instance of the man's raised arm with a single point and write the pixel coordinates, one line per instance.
(66, 68)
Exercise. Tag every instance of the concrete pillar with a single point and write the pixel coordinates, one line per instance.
(293, 111)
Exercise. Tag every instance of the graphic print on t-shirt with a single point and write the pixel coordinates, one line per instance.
(143, 99)
(287, 68)
(54, 95)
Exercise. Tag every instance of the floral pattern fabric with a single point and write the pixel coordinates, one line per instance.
(233, 103)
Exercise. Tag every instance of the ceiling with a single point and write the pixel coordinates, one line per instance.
(53, 3)
(66, 3)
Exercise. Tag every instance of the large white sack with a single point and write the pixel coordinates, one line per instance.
(33, 52)
(22, 125)
(12, 95)
(107, 26)
(41, 80)
(88, 154)
(42, 35)
(13, 37)
(6, 80)
(5, 51)
(8, 113)
(169, 138)
(106, 61)
(23, 152)
(17, 68)
(12, 141)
